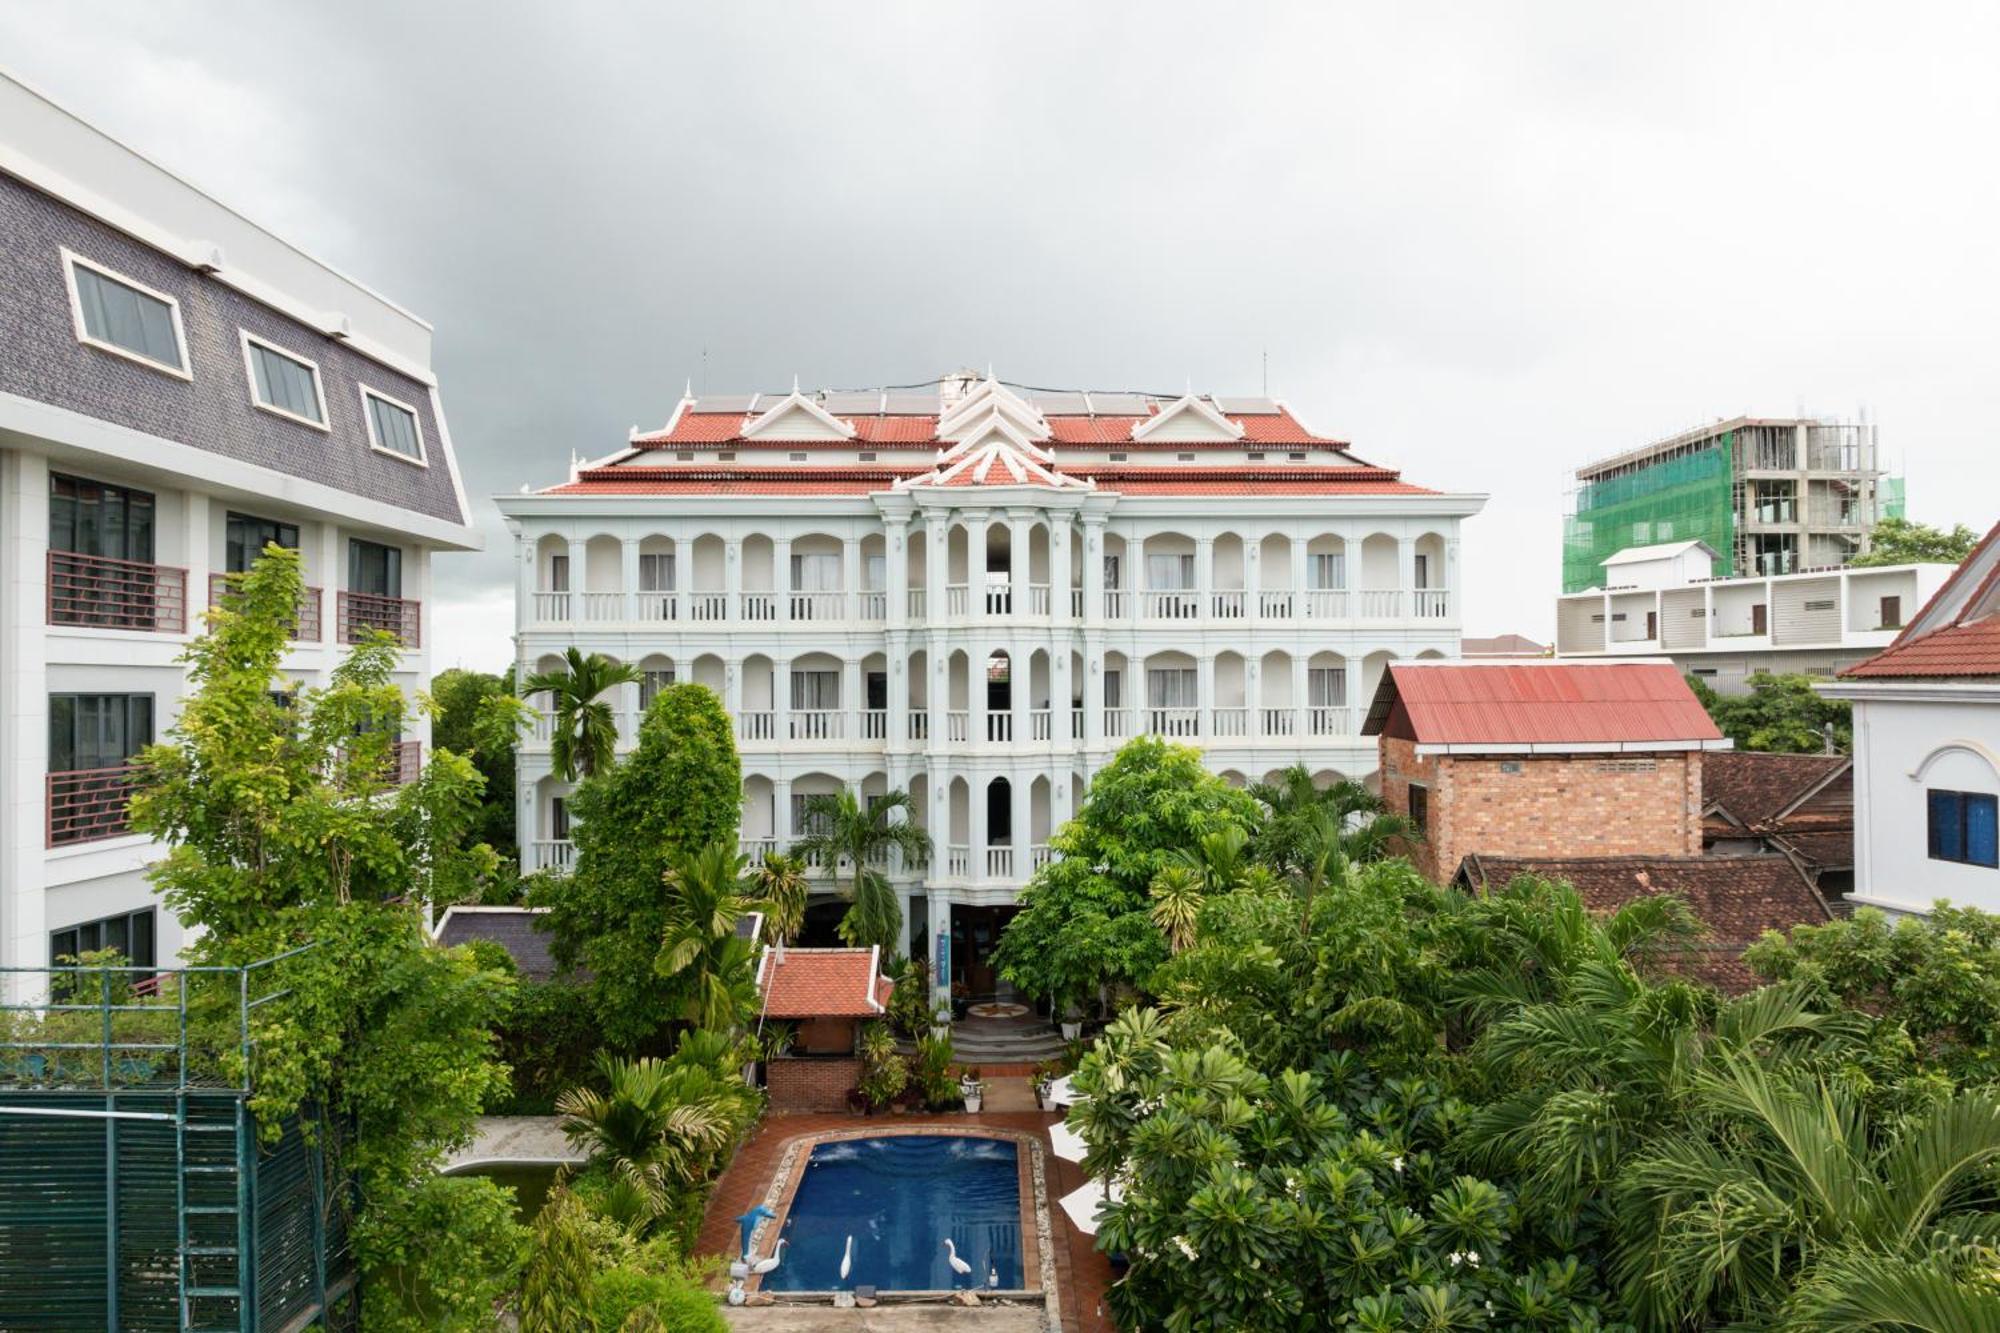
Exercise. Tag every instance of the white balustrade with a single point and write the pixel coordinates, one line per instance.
(1076, 603)
(920, 723)
(708, 606)
(958, 860)
(1175, 722)
(958, 725)
(756, 849)
(999, 599)
(874, 605)
(1177, 604)
(1380, 603)
(1038, 599)
(759, 726)
(1326, 604)
(1227, 604)
(819, 606)
(1232, 722)
(816, 724)
(999, 863)
(659, 606)
(1076, 724)
(999, 726)
(1431, 603)
(918, 600)
(1325, 721)
(875, 724)
(542, 728)
(1281, 721)
(759, 606)
(1115, 604)
(1275, 605)
(603, 606)
(1040, 724)
(1039, 855)
(552, 608)
(957, 598)
(1117, 723)
(557, 854)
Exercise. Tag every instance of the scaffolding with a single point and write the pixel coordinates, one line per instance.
(1688, 497)
(135, 1190)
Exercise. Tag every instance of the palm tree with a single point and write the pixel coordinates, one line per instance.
(585, 734)
(700, 949)
(1176, 893)
(782, 887)
(1305, 822)
(843, 830)
(1219, 859)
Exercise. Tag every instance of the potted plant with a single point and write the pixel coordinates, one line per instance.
(972, 1089)
(1045, 1077)
(1072, 1021)
(961, 999)
(857, 1102)
(941, 1021)
(884, 1082)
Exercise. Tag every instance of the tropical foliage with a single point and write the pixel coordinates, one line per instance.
(844, 833)
(1902, 541)
(478, 716)
(1781, 714)
(583, 735)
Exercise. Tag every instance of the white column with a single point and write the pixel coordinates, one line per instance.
(896, 567)
(1061, 728)
(850, 699)
(781, 812)
(1299, 705)
(732, 686)
(781, 577)
(1299, 573)
(1406, 576)
(1357, 696)
(1449, 580)
(524, 582)
(1020, 677)
(781, 699)
(897, 728)
(1093, 569)
(683, 579)
(1061, 533)
(975, 690)
(1253, 693)
(577, 554)
(977, 825)
(1204, 575)
(1019, 786)
(628, 576)
(1253, 565)
(1020, 530)
(24, 724)
(938, 693)
(850, 579)
(1093, 692)
(333, 577)
(937, 567)
(1205, 694)
(732, 579)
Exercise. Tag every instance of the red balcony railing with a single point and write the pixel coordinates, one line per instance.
(365, 610)
(89, 804)
(307, 628)
(116, 594)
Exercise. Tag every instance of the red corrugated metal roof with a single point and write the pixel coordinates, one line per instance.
(821, 983)
(1545, 704)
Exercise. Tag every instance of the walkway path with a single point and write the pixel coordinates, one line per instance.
(515, 1139)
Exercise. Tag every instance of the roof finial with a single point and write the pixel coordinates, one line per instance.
(1190, 386)
(688, 392)
(795, 383)
(989, 370)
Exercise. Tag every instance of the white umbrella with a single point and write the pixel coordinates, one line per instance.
(1060, 1093)
(1067, 1142)
(1082, 1204)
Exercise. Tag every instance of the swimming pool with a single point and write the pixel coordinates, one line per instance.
(898, 1198)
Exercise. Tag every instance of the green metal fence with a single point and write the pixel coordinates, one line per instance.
(135, 1191)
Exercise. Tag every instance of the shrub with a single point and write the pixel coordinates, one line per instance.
(548, 1038)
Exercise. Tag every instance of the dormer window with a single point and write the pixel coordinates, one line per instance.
(798, 458)
(1184, 458)
(393, 427)
(868, 458)
(283, 383)
(684, 456)
(117, 315)
(727, 456)
(1256, 458)
(1117, 458)
(1297, 458)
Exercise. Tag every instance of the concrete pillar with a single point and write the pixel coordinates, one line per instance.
(577, 554)
(1093, 569)
(682, 581)
(976, 821)
(975, 691)
(850, 699)
(1019, 788)
(897, 726)
(1020, 533)
(1253, 568)
(732, 685)
(781, 699)
(781, 577)
(1019, 678)
(937, 567)
(1093, 693)
(850, 580)
(781, 813)
(1406, 575)
(629, 576)
(1204, 577)
(1061, 533)
(732, 579)
(1205, 694)
(24, 725)
(896, 570)
(524, 583)
(1299, 704)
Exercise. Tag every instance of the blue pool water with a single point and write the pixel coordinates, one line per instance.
(899, 1197)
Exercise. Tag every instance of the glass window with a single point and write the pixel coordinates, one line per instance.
(651, 682)
(91, 518)
(1111, 572)
(130, 933)
(1420, 807)
(815, 573)
(247, 537)
(283, 382)
(813, 691)
(120, 315)
(558, 573)
(1326, 687)
(656, 573)
(97, 730)
(1327, 570)
(1169, 573)
(1171, 687)
(374, 569)
(1113, 692)
(1965, 827)
(393, 427)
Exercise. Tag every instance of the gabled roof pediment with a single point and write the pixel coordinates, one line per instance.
(987, 398)
(797, 417)
(1191, 419)
(996, 430)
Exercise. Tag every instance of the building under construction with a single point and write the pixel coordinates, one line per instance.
(1770, 496)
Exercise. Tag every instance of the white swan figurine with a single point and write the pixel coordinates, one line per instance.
(993, 1277)
(847, 1259)
(958, 1265)
(763, 1266)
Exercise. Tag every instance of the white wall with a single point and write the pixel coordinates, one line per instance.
(1903, 749)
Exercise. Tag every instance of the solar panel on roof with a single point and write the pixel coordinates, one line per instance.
(912, 403)
(1249, 407)
(1120, 404)
(1058, 404)
(722, 402)
(851, 402)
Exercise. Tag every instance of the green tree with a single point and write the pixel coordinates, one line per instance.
(1177, 897)
(702, 958)
(1779, 714)
(678, 791)
(782, 890)
(285, 827)
(1085, 918)
(584, 735)
(1899, 541)
(1312, 831)
(478, 716)
(844, 831)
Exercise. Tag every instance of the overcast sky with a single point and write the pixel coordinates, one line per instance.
(1484, 242)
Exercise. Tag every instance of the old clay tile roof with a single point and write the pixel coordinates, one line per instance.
(1753, 789)
(822, 983)
(515, 929)
(1737, 897)
(1967, 645)
(1541, 703)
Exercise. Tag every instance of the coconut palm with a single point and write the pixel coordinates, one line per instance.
(584, 737)
(1310, 829)
(700, 951)
(781, 886)
(1177, 896)
(843, 830)
(658, 1125)
(1794, 1210)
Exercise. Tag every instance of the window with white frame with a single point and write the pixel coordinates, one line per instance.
(816, 572)
(656, 573)
(393, 426)
(1326, 687)
(815, 691)
(1964, 827)
(807, 821)
(558, 573)
(1327, 570)
(118, 315)
(283, 382)
(1170, 573)
(1171, 687)
(875, 573)
(651, 681)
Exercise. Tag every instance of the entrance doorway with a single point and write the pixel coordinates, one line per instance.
(975, 935)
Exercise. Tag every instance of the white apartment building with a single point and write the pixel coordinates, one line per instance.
(178, 387)
(975, 593)
(1664, 601)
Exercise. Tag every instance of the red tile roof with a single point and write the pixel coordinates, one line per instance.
(1754, 789)
(1967, 645)
(805, 479)
(1265, 428)
(1737, 897)
(1546, 705)
(822, 983)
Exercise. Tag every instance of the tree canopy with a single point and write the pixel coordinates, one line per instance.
(478, 717)
(1899, 541)
(1780, 714)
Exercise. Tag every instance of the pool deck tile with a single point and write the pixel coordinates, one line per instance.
(1082, 1274)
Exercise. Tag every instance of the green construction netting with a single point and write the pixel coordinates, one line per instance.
(1682, 499)
(1890, 494)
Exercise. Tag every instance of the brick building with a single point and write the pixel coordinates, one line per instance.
(1518, 759)
(829, 994)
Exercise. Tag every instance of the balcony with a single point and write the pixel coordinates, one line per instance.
(116, 594)
(957, 599)
(1280, 721)
(1172, 604)
(1076, 603)
(304, 630)
(603, 607)
(1039, 855)
(1226, 604)
(406, 762)
(1175, 723)
(999, 863)
(708, 606)
(89, 804)
(817, 724)
(759, 726)
(556, 854)
(999, 599)
(958, 860)
(1327, 721)
(818, 606)
(920, 723)
(918, 599)
(874, 605)
(1275, 605)
(1116, 604)
(958, 725)
(399, 616)
(654, 605)
(1117, 724)
(1000, 727)
(755, 849)
(1326, 603)
(552, 608)
(758, 606)
(1039, 603)
(1041, 724)
(1430, 603)
(875, 724)
(1379, 603)
(1232, 722)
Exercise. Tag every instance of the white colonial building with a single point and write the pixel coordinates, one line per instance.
(1927, 750)
(976, 593)
(1665, 601)
(178, 387)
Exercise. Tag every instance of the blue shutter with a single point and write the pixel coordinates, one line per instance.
(1947, 831)
(1982, 830)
